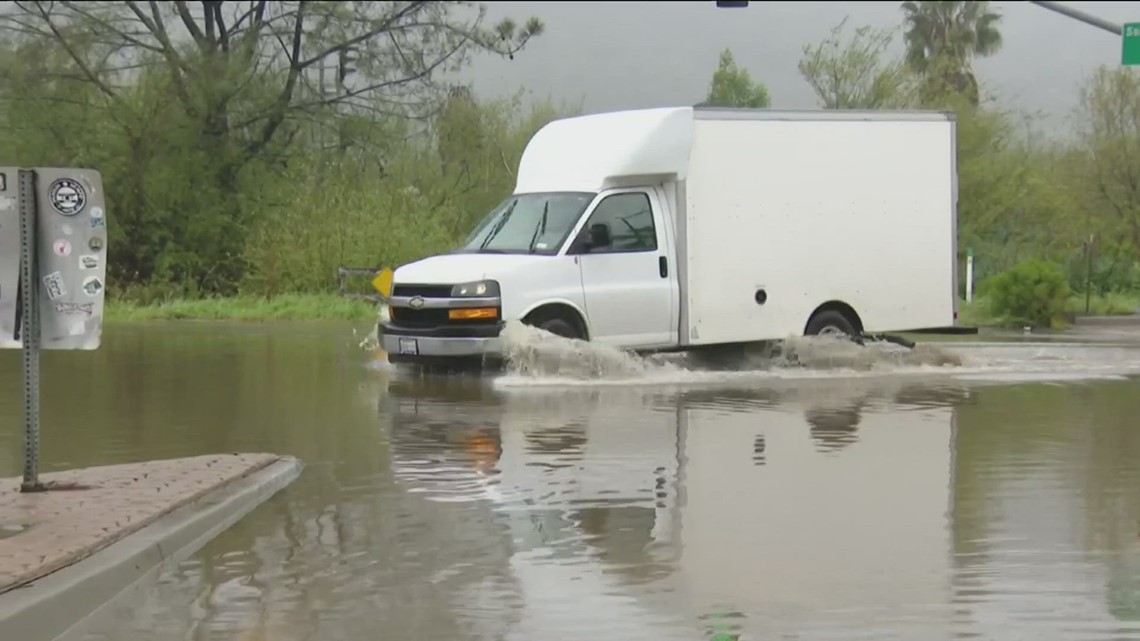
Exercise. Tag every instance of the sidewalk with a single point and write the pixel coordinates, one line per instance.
(66, 552)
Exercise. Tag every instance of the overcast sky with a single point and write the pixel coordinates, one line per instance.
(618, 55)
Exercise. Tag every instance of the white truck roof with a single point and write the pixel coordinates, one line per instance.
(581, 153)
(593, 152)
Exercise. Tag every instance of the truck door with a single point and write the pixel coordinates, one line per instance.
(627, 271)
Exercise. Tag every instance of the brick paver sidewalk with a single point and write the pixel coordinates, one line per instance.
(94, 507)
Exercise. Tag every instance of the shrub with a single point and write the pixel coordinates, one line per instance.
(1033, 292)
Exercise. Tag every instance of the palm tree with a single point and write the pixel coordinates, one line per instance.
(943, 37)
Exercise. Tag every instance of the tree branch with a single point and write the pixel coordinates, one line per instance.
(24, 27)
(367, 35)
(188, 21)
(78, 9)
(253, 6)
(281, 106)
(87, 71)
(419, 75)
(208, 16)
(177, 65)
(220, 22)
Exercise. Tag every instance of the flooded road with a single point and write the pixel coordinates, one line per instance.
(833, 495)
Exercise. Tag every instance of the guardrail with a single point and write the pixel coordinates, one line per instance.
(342, 274)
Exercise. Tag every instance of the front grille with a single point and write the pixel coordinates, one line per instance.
(427, 291)
(419, 317)
(430, 317)
(406, 317)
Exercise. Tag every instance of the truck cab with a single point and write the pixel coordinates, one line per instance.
(585, 265)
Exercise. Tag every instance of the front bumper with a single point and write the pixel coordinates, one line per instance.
(413, 344)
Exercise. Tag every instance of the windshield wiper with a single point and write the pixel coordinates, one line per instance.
(498, 226)
(540, 228)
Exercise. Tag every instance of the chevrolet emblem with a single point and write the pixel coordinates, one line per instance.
(416, 302)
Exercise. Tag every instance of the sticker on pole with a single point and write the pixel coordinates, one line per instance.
(85, 309)
(54, 284)
(92, 286)
(61, 247)
(67, 196)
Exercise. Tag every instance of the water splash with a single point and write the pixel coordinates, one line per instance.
(828, 352)
(535, 359)
(532, 353)
(371, 340)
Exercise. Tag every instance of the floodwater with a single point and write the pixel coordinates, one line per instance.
(968, 490)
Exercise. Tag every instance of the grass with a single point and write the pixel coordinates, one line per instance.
(290, 307)
(978, 313)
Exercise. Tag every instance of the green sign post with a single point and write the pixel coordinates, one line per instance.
(1130, 45)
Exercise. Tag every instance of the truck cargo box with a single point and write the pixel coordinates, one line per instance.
(810, 208)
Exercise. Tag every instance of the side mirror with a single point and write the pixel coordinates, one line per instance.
(600, 236)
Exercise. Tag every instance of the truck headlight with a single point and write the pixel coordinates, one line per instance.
(478, 288)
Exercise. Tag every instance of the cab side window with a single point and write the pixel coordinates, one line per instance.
(620, 223)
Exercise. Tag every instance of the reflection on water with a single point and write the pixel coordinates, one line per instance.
(877, 508)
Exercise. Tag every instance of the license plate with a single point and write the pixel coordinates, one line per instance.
(409, 346)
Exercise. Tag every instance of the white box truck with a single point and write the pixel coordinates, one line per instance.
(679, 228)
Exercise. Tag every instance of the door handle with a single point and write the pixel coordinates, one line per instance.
(663, 267)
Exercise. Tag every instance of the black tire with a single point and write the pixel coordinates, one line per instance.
(830, 322)
(559, 327)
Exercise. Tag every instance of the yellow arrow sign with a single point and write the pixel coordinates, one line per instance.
(382, 282)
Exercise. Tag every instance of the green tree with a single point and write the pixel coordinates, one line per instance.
(197, 106)
(853, 74)
(1110, 132)
(733, 87)
(943, 37)
(352, 213)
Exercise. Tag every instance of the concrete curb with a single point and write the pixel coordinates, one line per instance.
(1120, 320)
(57, 607)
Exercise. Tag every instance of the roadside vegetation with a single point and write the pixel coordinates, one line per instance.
(283, 307)
(249, 159)
(982, 312)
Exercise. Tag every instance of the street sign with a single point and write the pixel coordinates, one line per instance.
(382, 282)
(53, 266)
(1130, 45)
(65, 239)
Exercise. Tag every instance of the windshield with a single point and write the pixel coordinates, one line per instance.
(528, 224)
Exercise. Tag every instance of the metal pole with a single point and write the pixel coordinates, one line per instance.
(1088, 274)
(30, 330)
(1099, 23)
(969, 274)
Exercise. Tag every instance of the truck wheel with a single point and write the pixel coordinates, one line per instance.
(829, 323)
(558, 327)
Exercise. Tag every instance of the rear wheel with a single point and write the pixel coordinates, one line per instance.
(830, 322)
